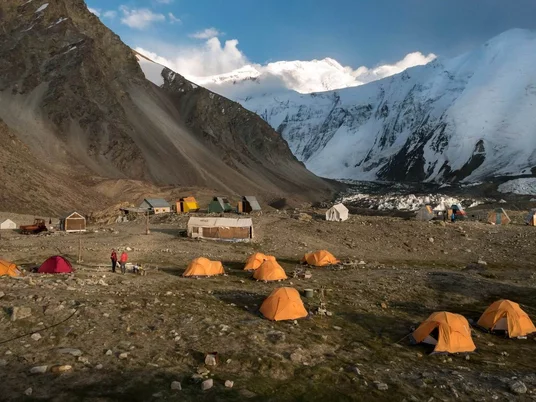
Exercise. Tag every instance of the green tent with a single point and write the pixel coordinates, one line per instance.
(219, 204)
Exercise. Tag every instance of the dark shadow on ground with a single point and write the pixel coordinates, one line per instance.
(142, 385)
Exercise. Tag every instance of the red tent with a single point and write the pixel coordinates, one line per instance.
(55, 265)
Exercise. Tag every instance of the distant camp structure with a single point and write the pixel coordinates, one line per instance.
(283, 304)
(9, 269)
(458, 210)
(531, 218)
(337, 213)
(255, 261)
(425, 213)
(186, 204)
(320, 258)
(8, 224)
(204, 267)
(229, 229)
(507, 316)
(55, 265)
(248, 204)
(219, 205)
(156, 205)
(447, 332)
(498, 217)
(269, 271)
(73, 222)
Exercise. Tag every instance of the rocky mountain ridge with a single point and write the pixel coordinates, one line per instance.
(74, 93)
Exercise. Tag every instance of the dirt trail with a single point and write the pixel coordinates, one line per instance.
(166, 323)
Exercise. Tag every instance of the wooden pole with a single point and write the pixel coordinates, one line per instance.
(80, 248)
(147, 231)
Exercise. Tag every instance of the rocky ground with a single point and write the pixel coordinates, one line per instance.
(144, 338)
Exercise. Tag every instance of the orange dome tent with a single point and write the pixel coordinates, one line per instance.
(450, 333)
(505, 315)
(283, 304)
(204, 267)
(269, 271)
(255, 261)
(319, 258)
(10, 269)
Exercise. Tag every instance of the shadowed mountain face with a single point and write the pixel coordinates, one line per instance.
(74, 94)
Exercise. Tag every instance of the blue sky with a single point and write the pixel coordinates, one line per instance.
(354, 32)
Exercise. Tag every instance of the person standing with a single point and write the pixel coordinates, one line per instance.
(123, 261)
(114, 260)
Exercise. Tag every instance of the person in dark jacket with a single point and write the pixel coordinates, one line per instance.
(113, 257)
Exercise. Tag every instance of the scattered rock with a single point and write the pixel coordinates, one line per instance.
(276, 336)
(36, 336)
(382, 386)
(207, 384)
(99, 366)
(303, 217)
(210, 360)
(123, 355)
(336, 328)
(28, 392)
(38, 369)
(20, 313)
(3, 362)
(2, 294)
(297, 356)
(482, 262)
(176, 386)
(60, 369)
(70, 351)
(383, 305)
(128, 249)
(229, 384)
(109, 352)
(431, 239)
(518, 387)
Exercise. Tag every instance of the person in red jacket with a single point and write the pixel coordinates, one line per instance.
(113, 257)
(123, 261)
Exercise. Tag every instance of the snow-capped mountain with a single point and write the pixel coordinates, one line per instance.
(466, 118)
(302, 76)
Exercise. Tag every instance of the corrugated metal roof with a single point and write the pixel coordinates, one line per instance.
(220, 222)
(157, 202)
(255, 206)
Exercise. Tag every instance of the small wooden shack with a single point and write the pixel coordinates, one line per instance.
(156, 205)
(73, 222)
(219, 204)
(186, 204)
(227, 229)
(498, 217)
(248, 204)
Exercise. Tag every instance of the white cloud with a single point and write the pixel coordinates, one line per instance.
(365, 74)
(94, 11)
(211, 58)
(173, 19)
(139, 18)
(110, 14)
(225, 69)
(206, 34)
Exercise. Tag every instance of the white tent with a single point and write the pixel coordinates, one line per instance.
(8, 224)
(337, 213)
